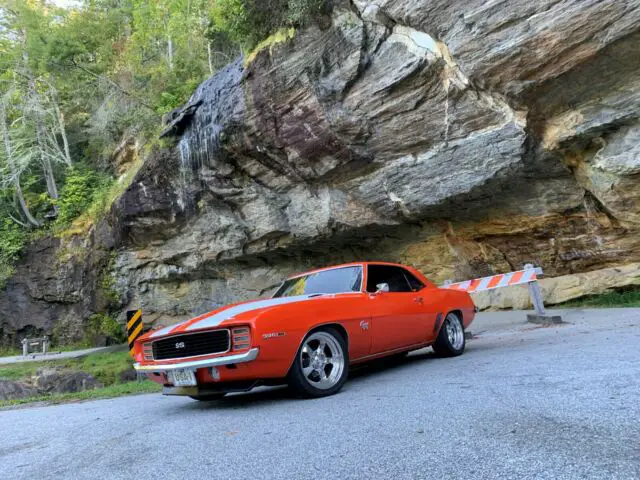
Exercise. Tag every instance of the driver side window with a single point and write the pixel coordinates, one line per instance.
(398, 279)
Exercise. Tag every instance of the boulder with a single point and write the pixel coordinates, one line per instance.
(75, 382)
(10, 390)
(129, 375)
(58, 380)
(47, 378)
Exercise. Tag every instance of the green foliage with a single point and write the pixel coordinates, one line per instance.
(626, 297)
(82, 187)
(108, 283)
(12, 240)
(7, 351)
(105, 367)
(117, 390)
(101, 324)
(248, 22)
(280, 36)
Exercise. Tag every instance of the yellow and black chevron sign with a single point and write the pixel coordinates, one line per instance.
(134, 327)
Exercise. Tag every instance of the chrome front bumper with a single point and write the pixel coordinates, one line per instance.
(197, 364)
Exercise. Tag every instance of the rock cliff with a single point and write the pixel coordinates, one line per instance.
(462, 137)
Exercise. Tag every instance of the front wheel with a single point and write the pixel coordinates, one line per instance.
(450, 341)
(321, 365)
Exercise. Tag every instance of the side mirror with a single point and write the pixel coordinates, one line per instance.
(382, 287)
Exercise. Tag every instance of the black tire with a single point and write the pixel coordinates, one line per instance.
(304, 385)
(448, 345)
(207, 398)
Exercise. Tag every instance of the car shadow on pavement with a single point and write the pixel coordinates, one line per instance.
(279, 394)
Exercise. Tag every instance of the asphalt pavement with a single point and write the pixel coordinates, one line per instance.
(523, 402)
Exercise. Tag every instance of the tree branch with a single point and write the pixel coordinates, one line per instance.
(112, 83)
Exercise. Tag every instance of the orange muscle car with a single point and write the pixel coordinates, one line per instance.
(316, 325)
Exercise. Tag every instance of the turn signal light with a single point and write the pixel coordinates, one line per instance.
(147, 352)
(241, 338)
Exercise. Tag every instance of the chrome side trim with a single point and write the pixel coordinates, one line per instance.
(196, 364)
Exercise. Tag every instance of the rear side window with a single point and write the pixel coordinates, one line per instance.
(414, 283)
(398, 279)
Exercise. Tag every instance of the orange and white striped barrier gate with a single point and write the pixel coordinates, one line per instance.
(496, 281)
(527, 276)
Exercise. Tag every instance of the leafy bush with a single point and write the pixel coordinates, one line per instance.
(103, 325)
(81, 189)
(12, 240)
(247, 22)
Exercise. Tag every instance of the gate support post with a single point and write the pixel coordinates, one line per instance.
(540, 317)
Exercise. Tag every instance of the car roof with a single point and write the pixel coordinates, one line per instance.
(344, 265)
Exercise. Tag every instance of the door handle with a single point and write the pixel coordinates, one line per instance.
(419, 300)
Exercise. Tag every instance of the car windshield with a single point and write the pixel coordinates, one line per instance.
(337, 280)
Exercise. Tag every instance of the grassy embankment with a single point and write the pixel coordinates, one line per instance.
(105, 367)
(613, 299)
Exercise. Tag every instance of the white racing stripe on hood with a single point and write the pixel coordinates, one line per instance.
(217, 318)
(166, 330)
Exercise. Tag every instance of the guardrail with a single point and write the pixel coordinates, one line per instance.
(529, 275)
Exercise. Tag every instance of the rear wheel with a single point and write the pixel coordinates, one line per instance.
(450, 341)
(321, 365)
(209, 397)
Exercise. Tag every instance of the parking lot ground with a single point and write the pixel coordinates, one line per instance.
(524, 401)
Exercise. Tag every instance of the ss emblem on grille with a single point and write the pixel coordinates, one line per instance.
(179, 345)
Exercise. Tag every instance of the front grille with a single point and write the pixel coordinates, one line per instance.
(191, 345)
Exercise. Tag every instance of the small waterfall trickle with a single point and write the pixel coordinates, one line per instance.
(217, 103)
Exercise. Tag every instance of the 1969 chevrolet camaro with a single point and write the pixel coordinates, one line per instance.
(316, 325)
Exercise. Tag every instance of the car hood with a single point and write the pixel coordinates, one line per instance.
(216, 317)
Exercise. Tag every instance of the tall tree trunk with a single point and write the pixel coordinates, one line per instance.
(61, 127)
(38, 118)
(209, 53)
(170, 51)
(13, 170)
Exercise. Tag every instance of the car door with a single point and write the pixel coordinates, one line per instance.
(399, 317)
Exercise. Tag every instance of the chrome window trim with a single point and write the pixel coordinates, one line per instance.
(192, 333)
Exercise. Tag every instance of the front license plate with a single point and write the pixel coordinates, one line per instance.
(182, 378)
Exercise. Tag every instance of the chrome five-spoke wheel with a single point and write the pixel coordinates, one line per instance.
(454, 331)
(321, 365)
(322, 360)
(450, 341)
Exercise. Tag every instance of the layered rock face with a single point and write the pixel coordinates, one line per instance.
(464, 138)
(57, 286)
